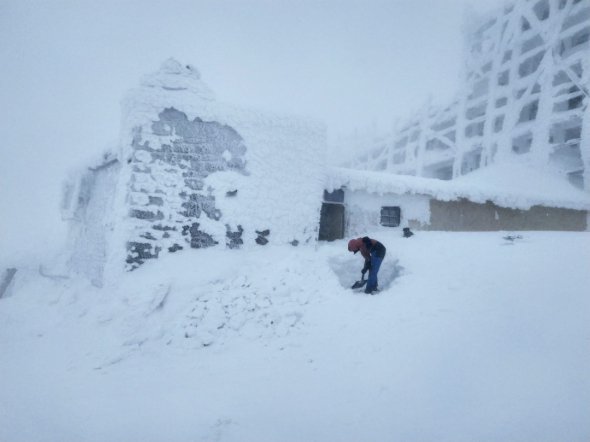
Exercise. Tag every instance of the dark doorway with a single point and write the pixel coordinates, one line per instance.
(331, 222)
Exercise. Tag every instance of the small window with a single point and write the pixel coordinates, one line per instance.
(390, 216)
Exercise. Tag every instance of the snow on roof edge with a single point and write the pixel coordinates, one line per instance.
(383, 182)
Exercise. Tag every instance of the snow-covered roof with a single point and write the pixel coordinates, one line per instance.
(513, 185)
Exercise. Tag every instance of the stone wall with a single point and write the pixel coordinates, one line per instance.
(192, 172)
(169, 202)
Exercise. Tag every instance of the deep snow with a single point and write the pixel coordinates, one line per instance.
(472, 337)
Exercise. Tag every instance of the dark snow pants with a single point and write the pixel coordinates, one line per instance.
(375, 264)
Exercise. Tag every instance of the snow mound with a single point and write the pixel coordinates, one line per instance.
(210, 297)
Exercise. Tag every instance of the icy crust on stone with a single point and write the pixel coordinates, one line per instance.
(511, 185)
(202, 173)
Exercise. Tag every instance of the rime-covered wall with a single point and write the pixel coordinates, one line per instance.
(201, 173)
(363, 214)
(363, 210)
(524, 199)
(195, 173)
(171, 206)
(87, 206)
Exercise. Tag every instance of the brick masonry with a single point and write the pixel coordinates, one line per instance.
(166, 191)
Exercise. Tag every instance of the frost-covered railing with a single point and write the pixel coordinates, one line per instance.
(527, 81)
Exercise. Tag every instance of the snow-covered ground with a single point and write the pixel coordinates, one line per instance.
(472, 337)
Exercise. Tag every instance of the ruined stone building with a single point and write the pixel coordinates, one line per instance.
(191, 172)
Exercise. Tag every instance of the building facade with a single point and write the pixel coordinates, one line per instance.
(356, 202)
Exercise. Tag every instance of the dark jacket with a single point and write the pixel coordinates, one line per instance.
(367, 245)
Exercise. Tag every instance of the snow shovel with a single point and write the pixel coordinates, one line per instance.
(359, 284)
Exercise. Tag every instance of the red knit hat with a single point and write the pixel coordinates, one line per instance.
(354, 245)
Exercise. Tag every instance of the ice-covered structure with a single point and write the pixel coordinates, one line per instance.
(511, 152)
(525, 94)
(511, 196)
(193, 172)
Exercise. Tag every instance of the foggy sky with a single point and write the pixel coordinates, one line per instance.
(67, 64)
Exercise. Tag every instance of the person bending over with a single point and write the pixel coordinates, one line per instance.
(373, 252)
